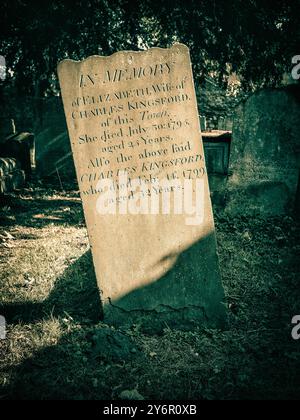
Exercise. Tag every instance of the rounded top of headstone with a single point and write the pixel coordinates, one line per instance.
(176, 47)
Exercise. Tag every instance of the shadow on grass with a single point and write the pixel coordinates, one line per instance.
(75, 294)
(67, 369)
(36, 212)
(57, 372)
(256, 359)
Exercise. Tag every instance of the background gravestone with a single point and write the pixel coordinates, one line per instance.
(137, 112)
(264, 158)
(53, 152)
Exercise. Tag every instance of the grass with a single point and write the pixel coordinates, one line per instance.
(49, 297)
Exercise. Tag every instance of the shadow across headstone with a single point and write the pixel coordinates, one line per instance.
(170, 295)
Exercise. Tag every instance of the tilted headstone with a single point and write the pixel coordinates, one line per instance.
(134, 129)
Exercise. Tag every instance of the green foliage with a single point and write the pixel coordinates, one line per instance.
(255, 39)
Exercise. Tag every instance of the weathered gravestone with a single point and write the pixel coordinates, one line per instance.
(265, 154)
(134, 129)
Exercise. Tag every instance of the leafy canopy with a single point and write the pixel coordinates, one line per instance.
(254, 38)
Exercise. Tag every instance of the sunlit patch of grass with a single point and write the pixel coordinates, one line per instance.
(33, 265)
